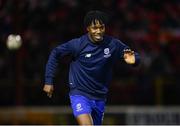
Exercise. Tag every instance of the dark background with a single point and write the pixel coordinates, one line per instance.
(150, 27)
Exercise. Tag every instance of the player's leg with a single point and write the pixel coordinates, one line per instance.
(84, 119)
(98, 112)
(81, 109)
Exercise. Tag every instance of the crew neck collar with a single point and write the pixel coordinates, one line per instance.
(93, 43)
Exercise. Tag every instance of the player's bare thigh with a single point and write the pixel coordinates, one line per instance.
(84, 119)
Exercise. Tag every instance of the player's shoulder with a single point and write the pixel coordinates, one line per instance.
(75, 42)
(113, 40)
(78, 40)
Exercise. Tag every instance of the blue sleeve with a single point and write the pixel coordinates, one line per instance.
(120, 48)
(56, 54)
(137, 59)
(120, 52)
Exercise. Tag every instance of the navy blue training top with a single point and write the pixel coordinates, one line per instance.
(91, 67)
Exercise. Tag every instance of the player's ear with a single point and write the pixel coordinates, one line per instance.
(87, 28)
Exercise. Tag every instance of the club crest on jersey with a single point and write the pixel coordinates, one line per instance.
(107, 53)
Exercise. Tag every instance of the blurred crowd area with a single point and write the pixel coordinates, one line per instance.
(150, 27)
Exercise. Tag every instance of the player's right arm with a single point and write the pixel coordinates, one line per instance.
(48, 89)
(52, 63)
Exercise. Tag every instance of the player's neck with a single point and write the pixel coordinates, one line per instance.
(94, 42)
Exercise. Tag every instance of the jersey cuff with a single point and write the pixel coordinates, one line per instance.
(49, 80)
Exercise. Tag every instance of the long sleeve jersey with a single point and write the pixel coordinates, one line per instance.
(91, 68)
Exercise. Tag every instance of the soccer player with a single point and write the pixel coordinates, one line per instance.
(91, 68)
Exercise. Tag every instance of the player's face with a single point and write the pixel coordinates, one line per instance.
(96, 31)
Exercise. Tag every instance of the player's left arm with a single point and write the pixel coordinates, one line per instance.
(125, 53)
(131, 57)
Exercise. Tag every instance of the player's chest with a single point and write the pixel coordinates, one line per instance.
(96, 54)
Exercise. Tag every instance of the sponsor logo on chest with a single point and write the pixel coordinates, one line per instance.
(106, 54)
(88, 55)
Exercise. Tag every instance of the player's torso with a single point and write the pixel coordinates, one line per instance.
(91, 69)
(94, 56)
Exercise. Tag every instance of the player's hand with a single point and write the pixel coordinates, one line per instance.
(48, 89)
(129, 56)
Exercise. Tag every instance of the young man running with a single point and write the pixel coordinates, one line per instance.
(94, 54)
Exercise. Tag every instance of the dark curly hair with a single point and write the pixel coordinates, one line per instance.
(91, 16)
